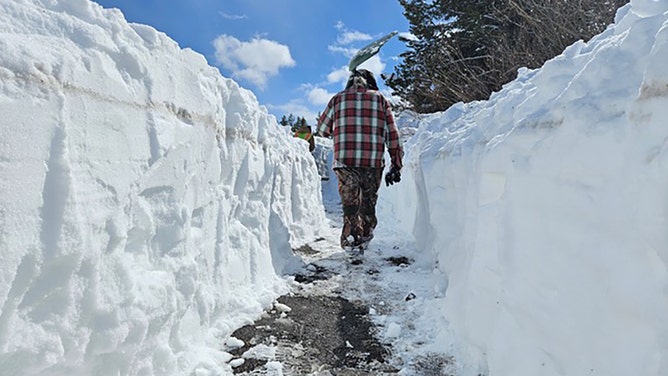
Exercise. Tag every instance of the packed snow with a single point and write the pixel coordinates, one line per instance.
(148, 207)
(545, 210)
(147, 204)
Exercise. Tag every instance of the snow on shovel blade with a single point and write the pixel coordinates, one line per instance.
(368, 51)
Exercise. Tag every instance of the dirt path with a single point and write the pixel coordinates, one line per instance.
(320, 335)
(346, 315)
(314, 330)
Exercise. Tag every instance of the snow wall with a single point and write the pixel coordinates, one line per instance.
(545, 210)
(147, 204)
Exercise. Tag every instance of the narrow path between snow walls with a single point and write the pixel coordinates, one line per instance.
(348, 314)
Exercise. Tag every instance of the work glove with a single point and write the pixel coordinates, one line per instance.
(393, 176)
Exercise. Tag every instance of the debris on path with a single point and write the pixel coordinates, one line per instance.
(319, 334)
(347, 314)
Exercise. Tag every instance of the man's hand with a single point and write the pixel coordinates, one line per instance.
(395, 156)
(393, 176)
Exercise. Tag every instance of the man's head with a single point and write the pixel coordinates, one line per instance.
(362, 78)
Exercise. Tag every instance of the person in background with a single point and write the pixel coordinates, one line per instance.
(360, 121)
(304, 132)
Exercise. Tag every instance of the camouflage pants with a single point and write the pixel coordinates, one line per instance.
(358, 188)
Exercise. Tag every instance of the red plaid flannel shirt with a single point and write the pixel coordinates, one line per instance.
(361, 123)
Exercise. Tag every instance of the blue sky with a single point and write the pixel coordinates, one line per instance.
(293, 54)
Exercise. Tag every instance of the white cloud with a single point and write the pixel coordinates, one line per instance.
(233, 16)
(345, 51)
(254, 61)
(319, 96)
(375, 65)
(348, 37)
(339, 75)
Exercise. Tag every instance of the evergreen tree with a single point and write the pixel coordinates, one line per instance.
(464, 50)
(298, 123)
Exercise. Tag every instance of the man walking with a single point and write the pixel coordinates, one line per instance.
(360, 120)
(304, 132)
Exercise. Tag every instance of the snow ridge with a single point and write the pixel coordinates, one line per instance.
(544, 210)
(147, 204)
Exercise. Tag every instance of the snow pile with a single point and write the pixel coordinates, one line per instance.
(545, 210)
(147, 204)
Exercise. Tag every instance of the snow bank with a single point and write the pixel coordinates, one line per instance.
(147, 204)
(545, 210)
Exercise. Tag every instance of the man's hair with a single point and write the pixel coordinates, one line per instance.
(362, 78)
